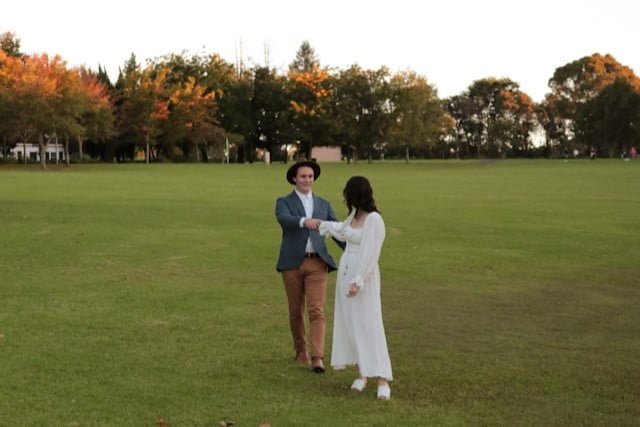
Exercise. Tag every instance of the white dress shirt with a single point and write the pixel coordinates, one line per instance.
(307, 203)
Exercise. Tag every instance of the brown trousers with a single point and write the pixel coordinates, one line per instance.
(307, 282)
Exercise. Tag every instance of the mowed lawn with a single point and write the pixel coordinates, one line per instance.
(135, 295)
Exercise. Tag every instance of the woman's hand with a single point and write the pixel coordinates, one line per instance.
(353, 290)
(312, 223)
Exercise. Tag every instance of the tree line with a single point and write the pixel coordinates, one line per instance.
(182, 107)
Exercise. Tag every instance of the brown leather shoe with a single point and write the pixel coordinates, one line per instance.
(316, 365)
(302, 357)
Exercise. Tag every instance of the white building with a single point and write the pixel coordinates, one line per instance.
(326, 154)
(53, 151)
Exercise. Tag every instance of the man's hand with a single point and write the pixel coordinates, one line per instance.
(353, 290)
(312, 223)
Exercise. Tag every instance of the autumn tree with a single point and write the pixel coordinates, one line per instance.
(150, 102)
(39, 91)
(197, 84)
(575, 84)
(143, 106)
(494, 117)
(308, 93)
(192, 110)
(6, 68)
(97, 117)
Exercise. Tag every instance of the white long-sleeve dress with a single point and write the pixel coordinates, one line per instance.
(358, 331)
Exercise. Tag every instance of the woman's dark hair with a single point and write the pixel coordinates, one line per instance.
(358, 194)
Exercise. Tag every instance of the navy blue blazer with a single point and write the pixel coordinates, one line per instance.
(289, 210)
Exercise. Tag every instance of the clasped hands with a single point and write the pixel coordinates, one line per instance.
(312, 223)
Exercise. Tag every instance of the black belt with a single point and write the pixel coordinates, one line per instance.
(311, 254)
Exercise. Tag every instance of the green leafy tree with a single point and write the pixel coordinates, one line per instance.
(123, 145)
(237, 116)
(553, 124)
(271, 111)
(611, 120)
(419, 116)
(346, 107)
(10, 45)
(306, 59)
(468, 128)
(6, 110)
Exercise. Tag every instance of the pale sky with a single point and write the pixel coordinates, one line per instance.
(450, 42)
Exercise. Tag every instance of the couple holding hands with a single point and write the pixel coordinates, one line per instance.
(358, 330)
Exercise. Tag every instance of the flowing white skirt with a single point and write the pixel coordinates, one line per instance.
(358, 331)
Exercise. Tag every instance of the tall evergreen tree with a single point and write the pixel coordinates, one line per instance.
(306, 59)
(10, 44)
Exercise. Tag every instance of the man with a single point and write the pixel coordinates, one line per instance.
(304, 261)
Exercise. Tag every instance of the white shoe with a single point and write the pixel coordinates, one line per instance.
(359, 384)
(384, 392)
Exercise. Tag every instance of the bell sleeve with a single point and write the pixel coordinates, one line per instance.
(336, 229)
(373, 234)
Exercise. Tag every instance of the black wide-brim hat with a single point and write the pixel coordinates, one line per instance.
(293, 170)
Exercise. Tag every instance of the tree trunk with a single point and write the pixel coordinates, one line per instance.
(24, 151)
(306, 149)
(406, 154)
(43, 155)
(147, 149)
(66, 151)
(80, 152)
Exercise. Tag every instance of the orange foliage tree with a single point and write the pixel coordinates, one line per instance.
(192, 108)
(41, 99)
(33, 90)
(575, 84)
(145, 106)
(308, 92)
(97, 118)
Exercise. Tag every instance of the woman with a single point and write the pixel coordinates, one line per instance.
(358, 331)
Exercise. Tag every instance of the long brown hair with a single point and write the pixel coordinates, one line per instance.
(358, 194)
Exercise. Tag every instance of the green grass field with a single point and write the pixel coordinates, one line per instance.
(132, 294)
